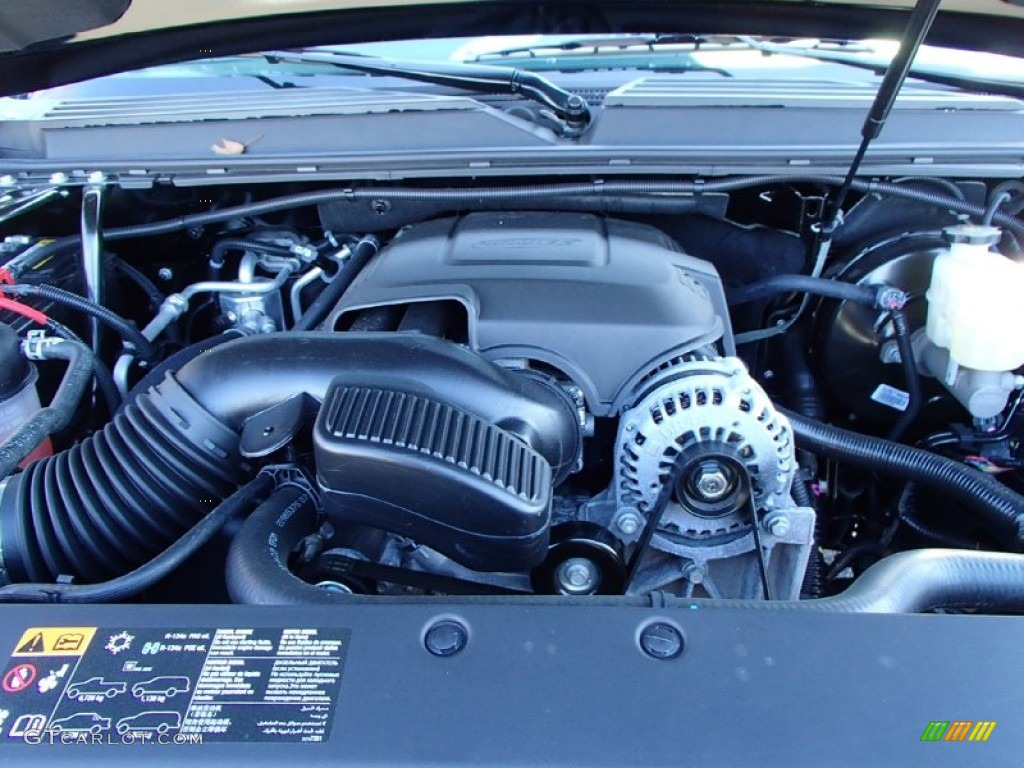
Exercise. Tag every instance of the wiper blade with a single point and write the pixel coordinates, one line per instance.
(570, 108)
(928, 74)
(596, 43)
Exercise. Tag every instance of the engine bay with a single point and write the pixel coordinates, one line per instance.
(281, 394)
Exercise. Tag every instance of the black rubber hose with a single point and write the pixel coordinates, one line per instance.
(124, 328)
(798, 386)
(469, 195)
(993, 207)
(257, 565)
(818, 286)
(153, 294)
(866, 550)
(361, 254)
(999, 509)
(109, 503)
(915, 393)
(933, 535)
(59, 413)
(222, 247)
(151, 572)
(104, 379)
(1015, 206)
(913, 582)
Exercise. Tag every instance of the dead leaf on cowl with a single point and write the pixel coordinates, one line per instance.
(228, 147)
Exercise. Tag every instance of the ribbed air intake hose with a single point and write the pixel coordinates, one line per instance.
(117, 498)
(114, 500)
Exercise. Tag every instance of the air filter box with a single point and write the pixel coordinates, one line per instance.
(414, 465)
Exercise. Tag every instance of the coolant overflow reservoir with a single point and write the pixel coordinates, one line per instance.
(975, 306)
(19, 400)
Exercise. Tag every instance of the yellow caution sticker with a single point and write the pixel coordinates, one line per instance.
(54, 641)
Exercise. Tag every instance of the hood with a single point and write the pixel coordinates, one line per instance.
(46, 43)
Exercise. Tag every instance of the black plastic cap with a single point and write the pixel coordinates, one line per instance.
(14, 368)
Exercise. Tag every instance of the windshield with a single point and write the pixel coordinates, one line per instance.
(704, 56)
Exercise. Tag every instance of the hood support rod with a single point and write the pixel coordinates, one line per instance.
(921, 19)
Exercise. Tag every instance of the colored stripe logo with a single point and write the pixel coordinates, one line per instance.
(958, 730)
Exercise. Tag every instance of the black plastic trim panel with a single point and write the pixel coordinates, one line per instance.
(570, 685)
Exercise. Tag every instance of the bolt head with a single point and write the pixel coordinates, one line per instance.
(694, 573)
(711, 483)
(165, 274)
(628, 523)
(97, 177)
(577, 576)
(58, 178)
(778, 525)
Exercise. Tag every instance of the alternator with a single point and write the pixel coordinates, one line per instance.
(738, 448)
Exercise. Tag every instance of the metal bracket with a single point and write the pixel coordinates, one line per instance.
(92, 248)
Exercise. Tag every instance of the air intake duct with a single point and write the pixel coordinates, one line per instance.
(111, 502)
(467, 488)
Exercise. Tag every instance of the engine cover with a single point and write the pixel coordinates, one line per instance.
(602, 300)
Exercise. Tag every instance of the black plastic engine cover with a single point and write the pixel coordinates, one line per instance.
(602, 300)
(421, 468)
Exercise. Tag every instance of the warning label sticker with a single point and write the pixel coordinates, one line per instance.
(54, 641)
(237, 684)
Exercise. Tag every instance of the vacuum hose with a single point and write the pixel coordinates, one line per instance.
(114, 500)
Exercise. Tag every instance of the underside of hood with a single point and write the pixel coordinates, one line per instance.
(46, 43)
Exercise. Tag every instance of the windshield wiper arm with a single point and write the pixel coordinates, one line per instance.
(571, 108)
(927, 74)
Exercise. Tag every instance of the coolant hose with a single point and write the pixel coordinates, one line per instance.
(914, 582)
(58, 414)
(999, 509)
(112, 501)
(257, 566)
